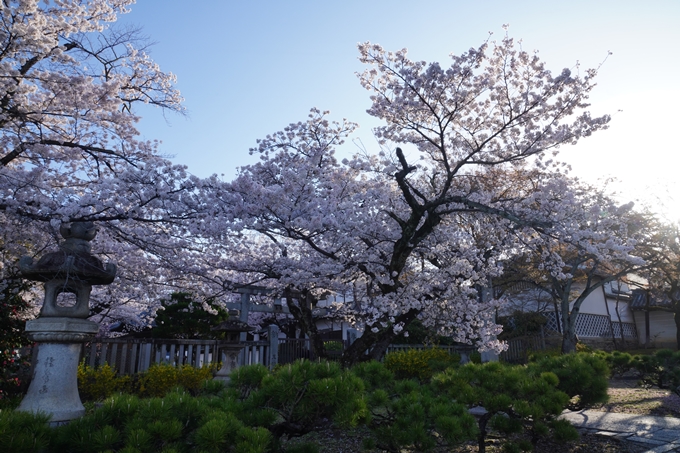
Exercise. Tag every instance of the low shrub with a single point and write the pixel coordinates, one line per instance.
(660, 370)
(333, 349)
(260, 407)
(582, 376)
(619, 362)
(582, 347)
(303, 447)
(475, 357)
(23, 432)
(535, 356)
(248, 378)
(160, 379)
(419, 364)
(519, 403)
(306, 395)
(333, 346)
(408, 415)
(211, 387)
(178, 422)
(374, 374)
(95, 384)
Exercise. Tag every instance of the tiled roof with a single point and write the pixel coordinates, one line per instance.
(656, 301)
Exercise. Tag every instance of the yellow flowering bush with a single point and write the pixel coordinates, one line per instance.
(101, 382)
(193, 378)
(159, 379)
(419, 364)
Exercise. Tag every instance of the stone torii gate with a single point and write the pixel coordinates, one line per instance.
(245, 306)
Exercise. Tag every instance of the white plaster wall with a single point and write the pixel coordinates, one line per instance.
(623, 309)
(661, 328)
(595, 304)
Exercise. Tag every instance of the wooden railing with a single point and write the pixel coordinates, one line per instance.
(129, 356)
(519, 348)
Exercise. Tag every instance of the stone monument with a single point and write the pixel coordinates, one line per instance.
(60, 330)
(231, 347)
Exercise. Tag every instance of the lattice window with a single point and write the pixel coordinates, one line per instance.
(588, 325)
(629, 330)
(552, 323)
(592, 326)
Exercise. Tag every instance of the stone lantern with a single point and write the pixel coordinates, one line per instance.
(231, 346)
(59, 331)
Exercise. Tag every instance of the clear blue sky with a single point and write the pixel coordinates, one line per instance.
(249, 68)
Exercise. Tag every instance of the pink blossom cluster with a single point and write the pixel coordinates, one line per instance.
(416, 230)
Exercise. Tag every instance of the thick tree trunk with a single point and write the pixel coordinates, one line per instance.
(369, 346)
(569, 339)
(676, 318)
(569, 316)
(569, 343)
(358, 351)
(609, 317)
(303, 314)
(481, 438)
(373, 345)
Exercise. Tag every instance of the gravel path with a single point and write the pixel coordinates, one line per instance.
(625, 397)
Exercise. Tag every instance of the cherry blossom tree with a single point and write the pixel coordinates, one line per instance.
(662, 251)
(416, 233)
(591, 241)
(70, 149)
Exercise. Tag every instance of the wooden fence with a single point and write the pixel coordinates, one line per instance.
(129, 356)
(519, 348)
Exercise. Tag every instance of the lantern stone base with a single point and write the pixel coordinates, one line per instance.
(229, 361)
(54, 387)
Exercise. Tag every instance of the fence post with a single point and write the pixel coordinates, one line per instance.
(273, 336)
(145, 358)
(352, 335)
(489, 356)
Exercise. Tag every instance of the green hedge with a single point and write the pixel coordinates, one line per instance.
(95, 384)
(260, 408)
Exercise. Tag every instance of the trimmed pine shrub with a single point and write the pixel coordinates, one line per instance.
(23, 432)
(306, 395)
(582, 376)
(521, 404)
